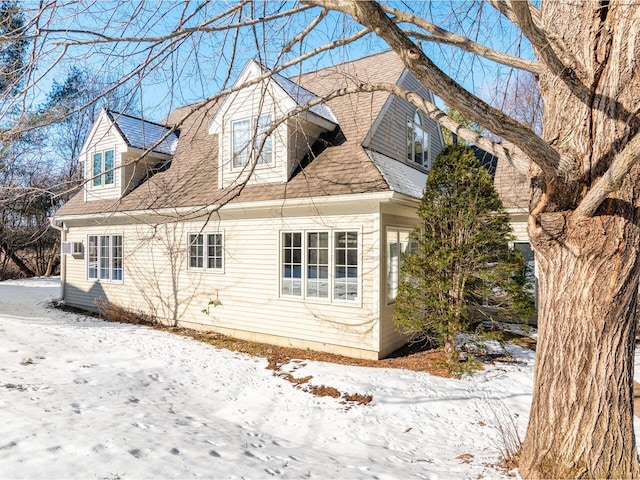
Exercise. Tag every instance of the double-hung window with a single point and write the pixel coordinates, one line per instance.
(262, 125)
(418, 142)
(105, 257)
(103, 163)
(243, 149)
(241, 134)
(206, 251)
(320, 265)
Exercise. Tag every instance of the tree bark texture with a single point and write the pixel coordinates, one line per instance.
(581, 421)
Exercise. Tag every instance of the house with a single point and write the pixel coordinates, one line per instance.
(256, 217)
(513, 188)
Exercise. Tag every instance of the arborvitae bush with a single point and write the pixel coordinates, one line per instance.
(460, 269)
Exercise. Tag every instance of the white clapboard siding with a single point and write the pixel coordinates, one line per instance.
(518, 221)
(249, 103)
(389, 133)
(104, 138)
(396, 217)
(157, 280)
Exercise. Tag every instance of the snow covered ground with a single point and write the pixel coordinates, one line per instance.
(82, 398)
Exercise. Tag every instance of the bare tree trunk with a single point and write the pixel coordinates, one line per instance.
(24, 268)
(581, 421)
(53, 253)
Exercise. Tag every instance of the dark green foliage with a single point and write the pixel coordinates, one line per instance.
(461, 270)
(449, 137)
(13, 47)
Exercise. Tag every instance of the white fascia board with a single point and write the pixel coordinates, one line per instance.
(174, 214)
(517, 211)
(251, 69)
(102, 116)
(317, 120)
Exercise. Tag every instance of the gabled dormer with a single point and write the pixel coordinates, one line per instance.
(405, 133)
(113, 153)
(271, 107)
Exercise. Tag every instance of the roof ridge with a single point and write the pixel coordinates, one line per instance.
(111, 112)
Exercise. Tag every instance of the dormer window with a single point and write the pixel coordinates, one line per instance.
(417, 142)
(243, 148)
(103, 168)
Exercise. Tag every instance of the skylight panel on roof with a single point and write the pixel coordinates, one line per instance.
(303, 96)
(143, 134)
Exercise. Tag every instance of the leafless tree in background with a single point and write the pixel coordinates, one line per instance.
(584, 222)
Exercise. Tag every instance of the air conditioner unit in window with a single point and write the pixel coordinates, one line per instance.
(72, 248)
(65, 248)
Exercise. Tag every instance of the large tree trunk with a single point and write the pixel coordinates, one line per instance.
(581, 421)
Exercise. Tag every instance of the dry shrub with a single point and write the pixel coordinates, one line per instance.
(112, 312)
(509, 441)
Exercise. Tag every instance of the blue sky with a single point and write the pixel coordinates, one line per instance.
(199, 64)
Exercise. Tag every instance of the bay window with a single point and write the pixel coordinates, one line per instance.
(318, 264)
(346, 266)
(397, 245)
(292, 264)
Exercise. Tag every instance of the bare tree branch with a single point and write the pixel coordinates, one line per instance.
(505, 9)
(472, 107)
(179, 31)
(612, 180)
(440, 35)
(571, 75)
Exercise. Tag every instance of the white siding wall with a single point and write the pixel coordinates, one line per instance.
(397, 217)
(518, 222)
(389, 133)
(104, 138)
(249, 103)
(157, 280)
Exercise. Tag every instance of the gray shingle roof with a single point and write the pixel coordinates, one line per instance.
(399, 176)
(139, 133)
(343, 168)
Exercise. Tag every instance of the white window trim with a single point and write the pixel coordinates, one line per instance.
(396, 231)
(330, 299)
(205, 252)
(254, 137)
(111, 269)
(415, 126)
(102, 174)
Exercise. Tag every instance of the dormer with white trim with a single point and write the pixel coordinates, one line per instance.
(114, 154)
(264, 129)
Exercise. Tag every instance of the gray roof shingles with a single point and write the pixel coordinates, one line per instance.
(192, 178)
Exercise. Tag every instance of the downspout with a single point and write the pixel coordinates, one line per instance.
(63, 258)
